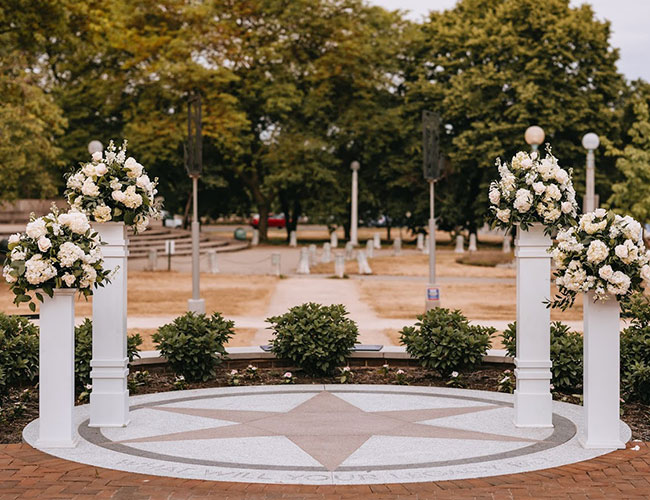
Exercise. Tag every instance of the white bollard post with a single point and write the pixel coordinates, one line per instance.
(213, 262)
(370, 249)
(303, 263)
(152, 262)
(601, 373)
(109, 399)
(334, 239)
(312, 255)
(349, 250)
(293, 239)
(362, 262)
(326, 257)
(506, 243)
(472, 243)
(276, 264)
(377, 241)
(397, 246)
(420, 242)
(256, 238)
(339, 265)
(533, 400)
(427, 243)
(56, 370)
(460, 244)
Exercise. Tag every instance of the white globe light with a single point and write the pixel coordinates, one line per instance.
(590, 141)
(95, 146)
(355, 165)
(534, 135)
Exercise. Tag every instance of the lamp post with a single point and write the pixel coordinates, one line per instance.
(95, 146)
(590, 142)
(431, 169)
(354, 222)
(194, 165)
(534, 137)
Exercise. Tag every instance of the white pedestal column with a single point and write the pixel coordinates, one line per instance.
(56, 370)
(109, 399)
(601, 373)
(533, 400)
(334, 240)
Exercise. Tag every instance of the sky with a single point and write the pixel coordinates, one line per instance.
(630, 27)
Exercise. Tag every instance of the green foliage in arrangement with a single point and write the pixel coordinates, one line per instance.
(18, 351)
(443, 340)
(194, 344)
(314, 337)
(636, 383)
(83, 352)
(566, 354)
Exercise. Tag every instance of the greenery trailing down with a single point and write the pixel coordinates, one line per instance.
(83, 352)
(18, 351)
(444, 341)
(566, 354)
(315, 337)
(194, 344)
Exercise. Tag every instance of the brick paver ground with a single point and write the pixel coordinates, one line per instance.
(29, 473)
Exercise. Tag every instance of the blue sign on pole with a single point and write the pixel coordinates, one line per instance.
(433, 293)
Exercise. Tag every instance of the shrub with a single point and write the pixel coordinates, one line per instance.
(637, 382)
(83, 351)
(566, 354)
(444, 341)
(194, 344)
(18, 350)
(314, 337)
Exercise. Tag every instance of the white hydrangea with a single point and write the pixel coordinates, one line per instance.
(93, 256)
(38, 271)
(77, 222)
(619, 283)
(89, 188)
(69, 253)
(553, 192)
(597, 252)
(18, 254)
(88, 170)
(36, 229)
(131, 198)
(551, 215)
(76, 181)
(523, 200)
(115, 185)
(631, 228)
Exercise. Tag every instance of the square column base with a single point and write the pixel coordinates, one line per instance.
(533, 410)
(109, 409)
(196, 306)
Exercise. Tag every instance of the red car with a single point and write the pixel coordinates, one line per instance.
(274, 220)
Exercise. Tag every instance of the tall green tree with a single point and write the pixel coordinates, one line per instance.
(494, 67)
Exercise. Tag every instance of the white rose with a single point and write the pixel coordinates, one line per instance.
(553, 192)
(597, 252)
(567, 207)
(144, 182)
(97, 156)
(115, 185)
(503, 215)
(495, 195)
(600, 212)
(101, 169)
(77, 222)
(6, 273)
(68, 279)
(118, 196)
(539, 188)
(605, 272)
(523, 200)
(14, 238)
(18, 254)
(645, 273)
(526, 163)
(36, 229)
(44, 244)
(621, 252)
(561, 176)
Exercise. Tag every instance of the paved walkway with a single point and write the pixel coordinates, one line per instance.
(29, 473)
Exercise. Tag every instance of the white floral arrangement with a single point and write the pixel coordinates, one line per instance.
(605, 254)
(55, 251)
(533, 190)
(113, 187)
